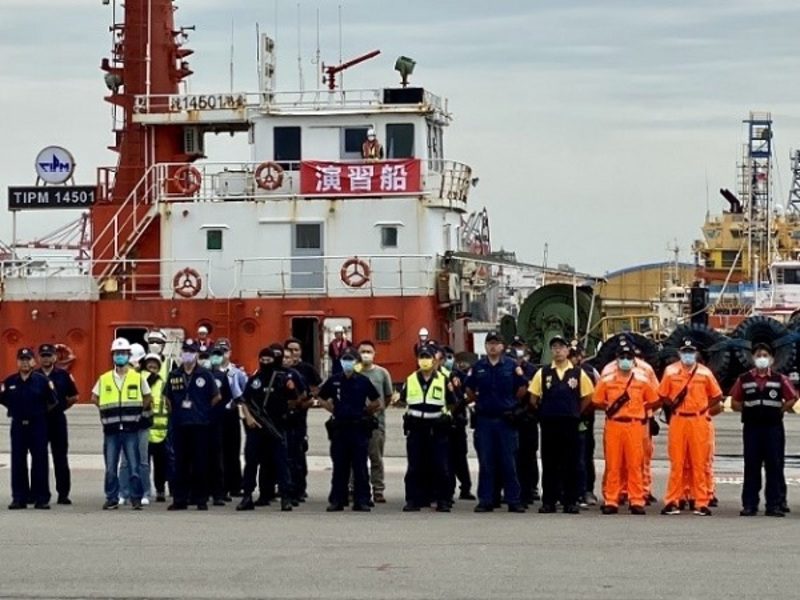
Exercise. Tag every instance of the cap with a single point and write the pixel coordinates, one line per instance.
(624, 349)
(224, 343)
(518, 341)
(350, 354)
(493, 336)
(25, 354)
(47, 350)
(558, 339)
(758, 346)
(448, 350)
(152, 356)
(189, 345)
(688, 344)
(219, 348)
(425, 350)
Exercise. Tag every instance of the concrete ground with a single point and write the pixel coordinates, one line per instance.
(83, 552)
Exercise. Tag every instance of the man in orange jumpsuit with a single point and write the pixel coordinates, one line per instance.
(625, 394)
(690, 390)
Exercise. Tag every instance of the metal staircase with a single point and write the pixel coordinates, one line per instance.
(111, 247)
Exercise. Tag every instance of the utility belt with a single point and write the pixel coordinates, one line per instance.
(367, 424)
(415, 420)
(681, 413)
(628, 420)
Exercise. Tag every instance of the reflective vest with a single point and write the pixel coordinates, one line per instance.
(764, 406)
(121, 408)
(434, 401)
(158, 430)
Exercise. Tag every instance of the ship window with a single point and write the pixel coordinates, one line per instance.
(308, 236)
(352, 140)
(286, 146)
(383, 330)
(214, 239)
(400, 140)
(728, 258)
(791, 276)
(389, 237)
(435, 152)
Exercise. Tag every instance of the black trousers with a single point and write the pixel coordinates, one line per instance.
(232, 451)
(763, 446)
(263, 451)
(459, 465)
(29, 437)
(349, 454)
(216, 468)
(158, 460)
(191, 464)
(297, 446)
(58, 439)
(560, 450)
(427, 474)
(527, 462)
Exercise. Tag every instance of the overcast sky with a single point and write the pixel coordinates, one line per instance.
(593, 125)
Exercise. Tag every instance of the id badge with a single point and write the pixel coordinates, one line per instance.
(187, 404)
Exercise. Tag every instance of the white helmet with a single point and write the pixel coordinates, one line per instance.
(338, 329)
(157, 336)
(202, 329)
(120, 345)
(370, 133)
(152, 356)
(137, 353)
(423, 332)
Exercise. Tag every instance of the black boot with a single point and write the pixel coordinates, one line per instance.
(246, 503)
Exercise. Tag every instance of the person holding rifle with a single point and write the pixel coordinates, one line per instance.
(689, 390)
(625, 394)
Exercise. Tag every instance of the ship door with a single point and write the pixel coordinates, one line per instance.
(308, 270)
(135, 335)
(306, 329)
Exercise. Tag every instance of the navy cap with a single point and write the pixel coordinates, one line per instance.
(219, 348)
(625, 348)
(25, 354)
(493, 336)
(224, 344)
(189, 345)
(558, 339)
(426, 351)
(46, 349)
(350, 354)
(688, 344)
(518, 341)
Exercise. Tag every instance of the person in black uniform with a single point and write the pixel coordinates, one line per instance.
(586, 442)
(528, 428)
(28, 396)
(191, 391)
(266, 407)
(57, 436)
(352, 400)
(459, 445)
(217, 416)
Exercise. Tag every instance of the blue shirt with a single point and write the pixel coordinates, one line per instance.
(28, 398)
(349, 395)
(64, 384)
(495, 386)
(190, 396)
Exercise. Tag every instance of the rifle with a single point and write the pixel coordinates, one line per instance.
(258, 411)
(617, 405)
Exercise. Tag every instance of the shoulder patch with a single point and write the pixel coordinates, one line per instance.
(256, 384)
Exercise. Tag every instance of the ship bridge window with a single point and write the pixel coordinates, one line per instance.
(214, 239)
(352, 138)
(286, 147)
(389, 237)
(791, 276)
(400, 140)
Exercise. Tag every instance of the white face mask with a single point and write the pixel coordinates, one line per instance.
(155, 347)
(763, 362)
(367, 358)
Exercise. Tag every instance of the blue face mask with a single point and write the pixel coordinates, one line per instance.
(348, 366)
(625, 364)
(688, 359)
(121, 359)
(449, 363)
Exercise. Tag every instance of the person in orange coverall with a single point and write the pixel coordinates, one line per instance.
(625, 394)
(690, 390)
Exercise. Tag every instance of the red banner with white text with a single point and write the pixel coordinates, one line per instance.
(373, 178)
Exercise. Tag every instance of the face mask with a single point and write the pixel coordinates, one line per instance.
(763, 362)
(449, 363)
(348, 366)
(426, 364)
(155, 347)
(121, 359)
(520, 353)
(216, 360)
(367, 358)
(625, 364)
(205, 363)
(688, 359)
(188, 357)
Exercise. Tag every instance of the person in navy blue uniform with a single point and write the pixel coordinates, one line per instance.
(28, 396)
(57, 435)
(459, 443)
(527, 426)
(216, 471)
(494, 385)
(191, 391)
(266, 407)
(352, 400)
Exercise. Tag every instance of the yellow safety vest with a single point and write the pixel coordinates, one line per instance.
(121, 408)
(437, 393)
(158, 430)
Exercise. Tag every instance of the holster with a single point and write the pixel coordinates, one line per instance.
(654, 427)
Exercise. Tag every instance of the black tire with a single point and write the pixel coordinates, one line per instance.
(761, 329)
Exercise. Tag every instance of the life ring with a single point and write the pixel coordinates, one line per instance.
(187, 283)
(64, 356)
(355, 272)
(188, 179)
(269, 176)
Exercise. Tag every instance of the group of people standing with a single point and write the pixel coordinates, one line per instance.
(184, 418)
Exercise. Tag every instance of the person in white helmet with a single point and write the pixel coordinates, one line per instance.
(137, 355)
(371, 149)
(122, 395)
(338, 346)
(204, 342)
(423, 339)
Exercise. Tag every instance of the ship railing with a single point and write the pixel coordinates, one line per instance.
(384, 275)
(275, 102)
(442, 182)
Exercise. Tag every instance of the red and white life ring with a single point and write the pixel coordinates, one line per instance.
(355, 272)
(188, 180)
(269, 176)
(187, 283)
